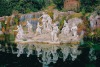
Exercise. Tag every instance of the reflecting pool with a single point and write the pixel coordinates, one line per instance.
(86, 54)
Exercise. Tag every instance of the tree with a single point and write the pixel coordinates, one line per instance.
(59, 3)
(89, 5)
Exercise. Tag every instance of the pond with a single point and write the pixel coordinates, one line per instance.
(87, 54)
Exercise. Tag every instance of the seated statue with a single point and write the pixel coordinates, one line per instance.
(54, 33)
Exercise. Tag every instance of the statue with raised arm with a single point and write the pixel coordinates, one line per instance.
(44, 19)
(54, 33)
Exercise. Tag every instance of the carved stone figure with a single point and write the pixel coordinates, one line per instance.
(20, 34)
(44, 19)
(29, 27)
(54, 33)
(49, 24)
(74, 30)
(65, 30)
(38, 30)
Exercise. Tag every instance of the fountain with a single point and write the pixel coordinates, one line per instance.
(47, 38)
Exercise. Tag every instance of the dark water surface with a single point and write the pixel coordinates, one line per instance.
(11, 60)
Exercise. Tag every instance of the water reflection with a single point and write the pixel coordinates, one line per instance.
(46, 54)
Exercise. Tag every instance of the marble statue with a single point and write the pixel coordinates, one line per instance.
(38, 30)
(65, 30)
(29, 27)
(54, 33)
(74, 30)
(44, 19)
(49, 24)
(20, 34)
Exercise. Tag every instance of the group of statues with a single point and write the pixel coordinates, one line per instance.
(48, 27)
(66, 29)
(21, 33)
(53, 29)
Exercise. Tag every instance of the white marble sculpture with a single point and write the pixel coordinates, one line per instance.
(54, 33)
(65, 30)
(20, 34)
(29, 27)
(38, 30)
(74, 30)
(44, 19)
(49, 24)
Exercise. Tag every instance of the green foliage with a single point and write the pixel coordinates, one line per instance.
(59, 3)
(89, 5)
(78, 15)
(97, 32)
(62, 22)
(23, 6)
(12, 37)
(83, 11)
(97, 9)
(16, 20)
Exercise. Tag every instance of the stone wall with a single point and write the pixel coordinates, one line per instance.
(71, 5)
